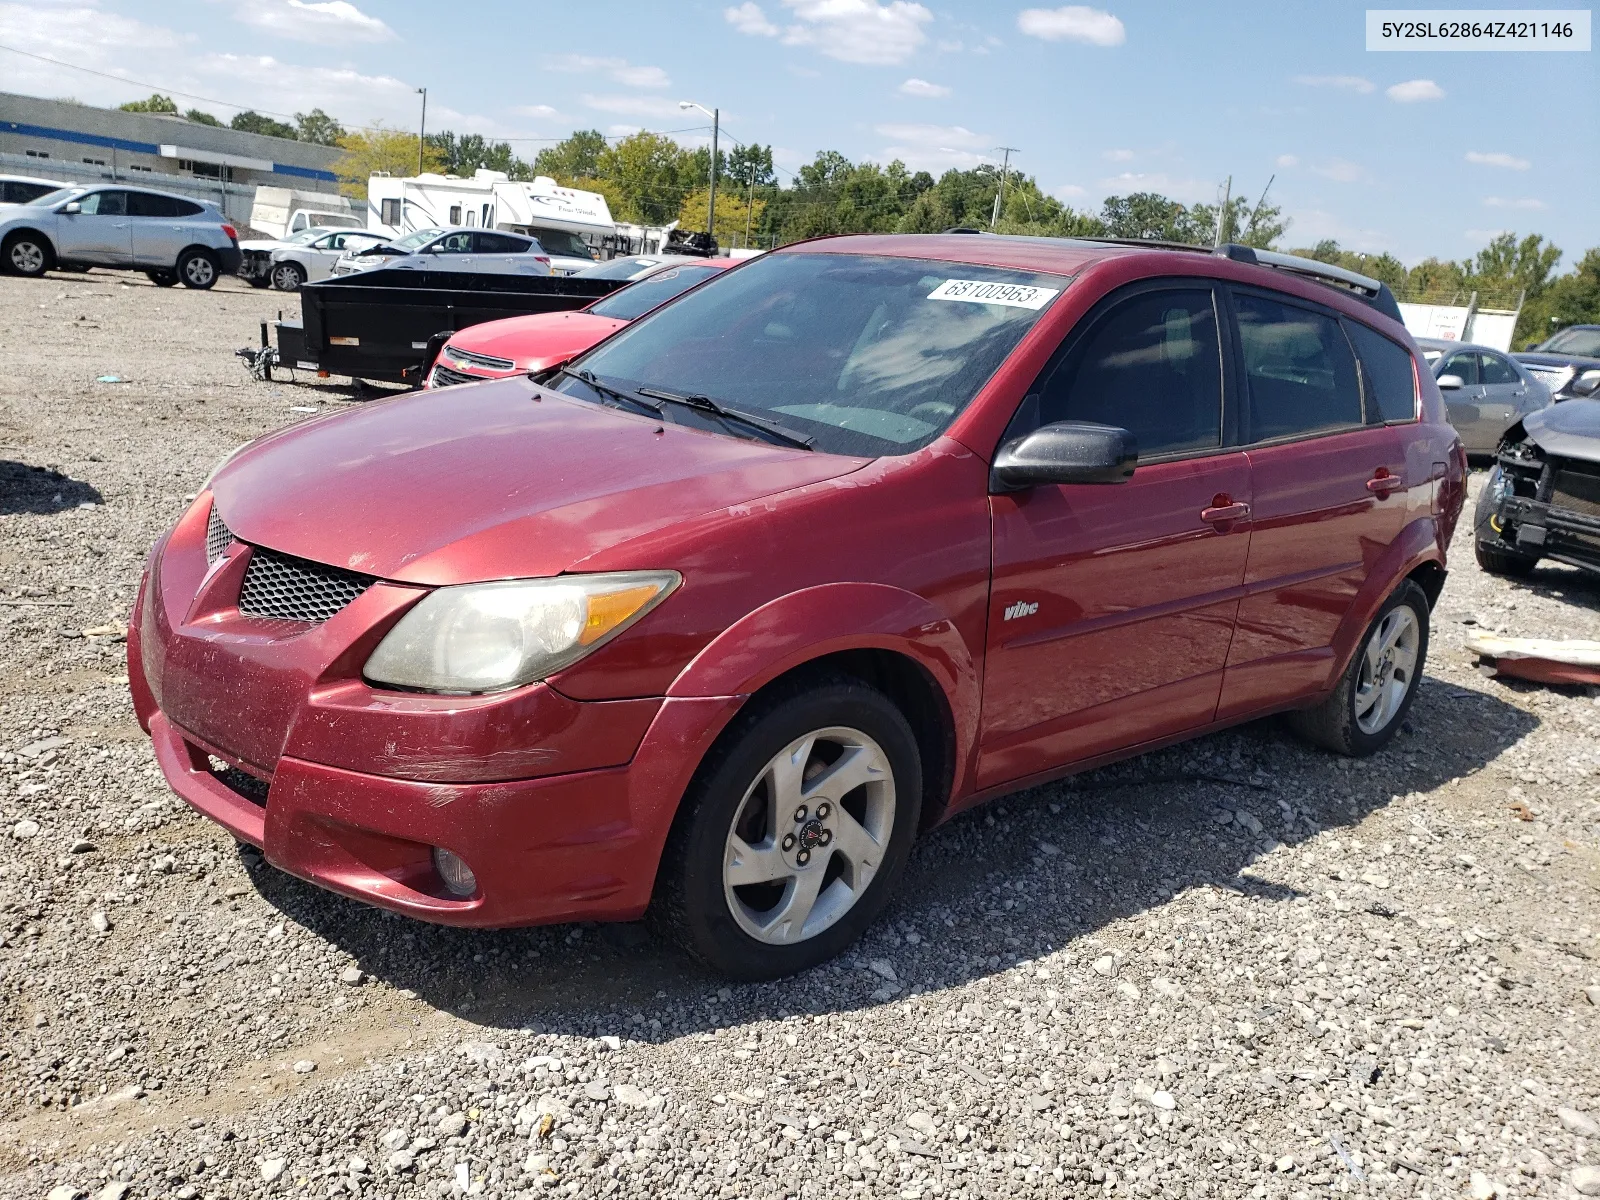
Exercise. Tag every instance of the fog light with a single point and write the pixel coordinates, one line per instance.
(457, 876)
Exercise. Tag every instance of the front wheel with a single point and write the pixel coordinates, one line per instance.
(287, 277)
(26, 254)
(1503, 562)
(794, 831)
(1378, 687)
(197, 269)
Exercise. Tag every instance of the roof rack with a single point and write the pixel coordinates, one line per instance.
(1373, 291)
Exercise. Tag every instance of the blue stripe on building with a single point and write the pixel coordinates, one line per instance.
(131, 147)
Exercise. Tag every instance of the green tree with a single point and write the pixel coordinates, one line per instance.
(250, 121)
(379, 149)
(1508, 266)
(752, 163)
(157, 103)
(648, 176)
(1149, 215)
(467, 153)
(572, 159)
(318, 128)
(201, 118)
(1568, 300)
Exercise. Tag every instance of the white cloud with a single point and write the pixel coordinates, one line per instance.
(1314, 224)
(1074, 23)
(543, 112)
(1497, 158)
(619, 70)
(949, 46)
(748, 18)
(1413, 90)
(857, 31)
(1340, 170)
(922, 88)
(1288, 160)
(1068, 191)
(1502, 202)
(1347, 83)
(1190, 191)
(1482, 235)
(935, 147)
(1118, 155)
(631, 106)
(313, 21)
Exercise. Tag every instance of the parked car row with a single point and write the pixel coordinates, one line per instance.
(715, 620)
(303, 257)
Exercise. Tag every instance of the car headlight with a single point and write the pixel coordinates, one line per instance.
(483, 637)
(1498, 486)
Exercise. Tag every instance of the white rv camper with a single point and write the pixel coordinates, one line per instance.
(568, 223)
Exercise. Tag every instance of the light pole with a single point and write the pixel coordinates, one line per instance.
(716, 120)
(422, 129)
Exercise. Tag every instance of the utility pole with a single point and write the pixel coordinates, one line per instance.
(422, 129)
(711, 204)
(1260, 204)
(750, 201)
(1222, 213)
(1000, 196)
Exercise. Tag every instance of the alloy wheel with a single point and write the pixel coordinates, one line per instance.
(27, 258)
(1388, 669)
(285, 278)
(199, 271)
(809, 835)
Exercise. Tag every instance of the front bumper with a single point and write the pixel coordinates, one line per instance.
(254, 264)
(560, 807)
(1539, 529)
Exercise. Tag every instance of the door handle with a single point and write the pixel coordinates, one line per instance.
(1383, 482)
(1219, 514)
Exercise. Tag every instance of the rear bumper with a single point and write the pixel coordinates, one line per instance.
(230, 257)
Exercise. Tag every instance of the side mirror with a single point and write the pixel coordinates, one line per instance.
(1066, 452)
(1450, 383)
(72, 208)
(1586, 384)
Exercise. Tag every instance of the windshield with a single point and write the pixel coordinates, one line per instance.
(639, 298)
(305, 235)
(1575, 341)
(415, 241)
(60, 194)
(867, 355)
(559, 241)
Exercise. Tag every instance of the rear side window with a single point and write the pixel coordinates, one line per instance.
(146, 204)
(1387, 375)
(1152, 366)
(1494, 369)
(500, 243)
(1299, 372)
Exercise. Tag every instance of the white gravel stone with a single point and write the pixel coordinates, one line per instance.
(25, 829)
(1586, 1180)
(304, 1066)
(272, 1168)
(1579, 1122)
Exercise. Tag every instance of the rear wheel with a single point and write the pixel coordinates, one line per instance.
(287, 276)
(198, 269)
(1379, 685)
(26, 254)
(1504, 562)
(794, 832)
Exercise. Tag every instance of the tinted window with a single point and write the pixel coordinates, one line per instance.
(1494, 369)
(1299, 372)
(1390, 381)
(1464, 365)
(560, 241)
(147, 204)
(501, 243)
(639, 298)
(105, 204)
(868, 355)
(1152, 366)
(454, 243)
(187, 208)
(19, 192)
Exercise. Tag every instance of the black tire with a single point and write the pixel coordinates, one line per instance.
(1504, 562)
(691, 905)
(163, 278)
(198, 269)
(1335, 723)
(27, 254)
(258, 281)
(287, 277)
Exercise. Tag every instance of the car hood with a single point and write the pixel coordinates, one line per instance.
(536, 341)
(265, 245)
(501, 480)
(1570, 429)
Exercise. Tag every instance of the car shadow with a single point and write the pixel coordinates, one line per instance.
(1557, 581)
(1033, 872)
(41, 491)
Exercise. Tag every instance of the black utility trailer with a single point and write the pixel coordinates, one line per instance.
(387, 324)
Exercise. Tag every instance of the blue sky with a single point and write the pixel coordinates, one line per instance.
(1417, 153)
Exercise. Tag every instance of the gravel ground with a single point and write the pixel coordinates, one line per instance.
(1235, 968)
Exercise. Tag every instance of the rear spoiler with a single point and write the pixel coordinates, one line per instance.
(1373, 291)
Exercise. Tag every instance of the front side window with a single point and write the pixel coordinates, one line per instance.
(560, 241)
(1387, 373)
(104, 204)
(1464, 366)
(1153, 366)
(867, 355)
(454, 243)
(1299, 373)
(1494, 369)
(639, 298)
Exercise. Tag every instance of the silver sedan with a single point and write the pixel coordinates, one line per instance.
(1486, 391)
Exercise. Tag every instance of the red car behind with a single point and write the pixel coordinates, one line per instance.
(794, 568)
(518, 345)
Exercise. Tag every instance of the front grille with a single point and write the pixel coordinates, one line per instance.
(445, 377)
(240, 783)
(487, 361)
(286, 588)
(218, 536)
(1577, 492)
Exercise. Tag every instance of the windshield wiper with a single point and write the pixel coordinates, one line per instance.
(706, 404)
(590, 379)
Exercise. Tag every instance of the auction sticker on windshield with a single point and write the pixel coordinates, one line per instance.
(978, 291)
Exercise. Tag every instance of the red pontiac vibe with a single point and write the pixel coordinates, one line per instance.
(717, 620)
(518, 345)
